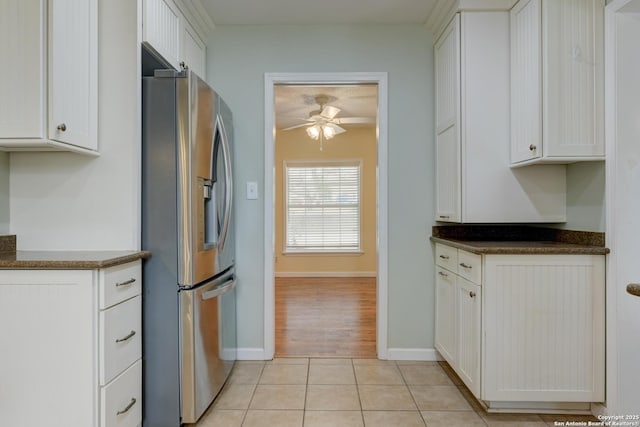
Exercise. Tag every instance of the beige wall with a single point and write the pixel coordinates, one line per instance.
(355, 144)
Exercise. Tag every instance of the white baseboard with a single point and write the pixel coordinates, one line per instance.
(326, 274)
(422, 354)
(250, 354)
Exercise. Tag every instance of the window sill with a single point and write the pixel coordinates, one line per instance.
(323, 253)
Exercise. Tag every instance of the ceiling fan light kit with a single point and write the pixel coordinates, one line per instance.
(323, 124)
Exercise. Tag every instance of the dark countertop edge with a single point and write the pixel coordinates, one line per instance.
(634, 289)
(551, 248)
(513, 233)
(8, 243)
(70, 264)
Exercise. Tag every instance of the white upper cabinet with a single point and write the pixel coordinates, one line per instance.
(168, 31)
(49, 93)
(557, 81)
(474, 180)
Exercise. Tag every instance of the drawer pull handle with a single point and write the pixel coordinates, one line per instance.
(472, 294)
(444, 256)
(132, 333)
(444, 216)
(443, 274)
(129, 406)
(463, 265)
(126, 282)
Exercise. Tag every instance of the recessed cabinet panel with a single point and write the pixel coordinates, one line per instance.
(445, 337)
(448, 182)
(161, 29)
(447, 59)
(23, 28)
(526, 81)
(545, 312)
(468, 297)
(73, 73)
(193, 52)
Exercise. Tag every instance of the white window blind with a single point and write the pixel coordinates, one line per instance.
(322, 207)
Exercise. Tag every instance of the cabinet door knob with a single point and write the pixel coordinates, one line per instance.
(532, 147)
(472, 294)
(62, 127)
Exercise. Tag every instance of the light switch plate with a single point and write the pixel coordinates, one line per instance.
(252, 190)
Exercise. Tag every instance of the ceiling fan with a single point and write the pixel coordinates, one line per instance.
(323, 123)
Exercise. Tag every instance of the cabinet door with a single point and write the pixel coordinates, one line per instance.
(161, 29)
(193, 51)
(545, 313)
(23, 74)
(526, 81)
(446, 314)
(447, 64)
(468, 298)
(73, 60)
(572, 78)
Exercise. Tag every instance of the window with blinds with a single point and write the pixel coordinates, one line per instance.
(322, 207)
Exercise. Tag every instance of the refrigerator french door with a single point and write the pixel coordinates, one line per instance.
(189, 336)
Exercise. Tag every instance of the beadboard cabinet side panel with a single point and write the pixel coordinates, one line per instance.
(543, 317)
(49, 349)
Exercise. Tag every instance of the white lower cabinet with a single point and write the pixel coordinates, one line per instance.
(528, 334)
(67, 361)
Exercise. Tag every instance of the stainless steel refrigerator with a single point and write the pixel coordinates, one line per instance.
(189, 323)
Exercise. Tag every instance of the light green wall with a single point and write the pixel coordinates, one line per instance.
(238, 57)
(4, 193)
(585, 197)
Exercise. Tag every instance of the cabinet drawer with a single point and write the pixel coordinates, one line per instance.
(470, 266)
(119, 283)
(121, 400)
(120, 338)
(447, 257)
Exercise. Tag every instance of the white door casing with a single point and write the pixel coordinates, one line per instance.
(622, 109)
(271, 79)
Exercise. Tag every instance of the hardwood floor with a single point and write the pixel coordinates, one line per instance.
(325, 317)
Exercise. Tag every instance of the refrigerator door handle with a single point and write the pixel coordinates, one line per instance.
(228, 182)
(219, 290)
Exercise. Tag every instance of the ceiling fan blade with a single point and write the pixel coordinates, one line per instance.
(336, 128)
(354, 120)
(329, 112)
(298, 126)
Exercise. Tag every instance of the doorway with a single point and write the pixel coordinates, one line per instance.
(285, 245)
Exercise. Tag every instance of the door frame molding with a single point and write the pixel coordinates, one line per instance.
(270, 80)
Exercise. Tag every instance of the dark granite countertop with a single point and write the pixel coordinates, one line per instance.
(10, 259)
(519, 240)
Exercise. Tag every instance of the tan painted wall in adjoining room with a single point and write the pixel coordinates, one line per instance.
(355, 144)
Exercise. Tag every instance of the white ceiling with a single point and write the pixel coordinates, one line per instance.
(293, 104)
(306, 12)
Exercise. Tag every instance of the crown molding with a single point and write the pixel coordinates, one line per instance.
(444, 10)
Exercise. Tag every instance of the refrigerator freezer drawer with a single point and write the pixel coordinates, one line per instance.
(208, 343)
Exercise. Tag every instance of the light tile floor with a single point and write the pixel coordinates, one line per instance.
(314, 392)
